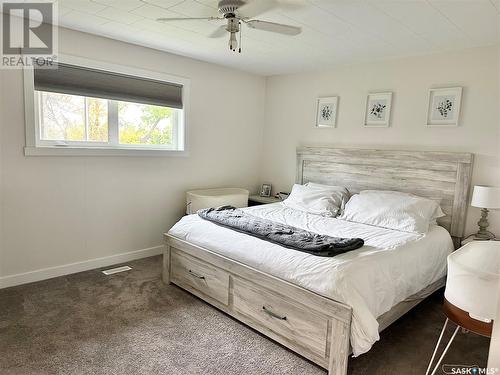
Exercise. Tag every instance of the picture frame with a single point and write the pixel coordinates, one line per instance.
(443, 109)
(378, 110)
(326, 112)
(265, 190)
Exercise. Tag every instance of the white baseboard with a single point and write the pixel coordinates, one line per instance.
(66, 269)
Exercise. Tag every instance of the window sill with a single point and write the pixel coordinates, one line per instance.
(82, 151)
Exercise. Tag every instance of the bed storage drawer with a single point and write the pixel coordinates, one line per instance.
(191, 273)
(293, 322)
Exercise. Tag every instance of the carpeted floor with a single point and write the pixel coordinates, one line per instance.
(130, 323)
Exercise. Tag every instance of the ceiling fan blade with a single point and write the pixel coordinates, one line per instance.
(219, 32)
(274, 27)
(255, 7)
(188, 19)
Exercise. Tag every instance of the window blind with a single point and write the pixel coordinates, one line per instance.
(77, 80)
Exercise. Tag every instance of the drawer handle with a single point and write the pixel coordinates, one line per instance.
(197, 275)
(273, 314)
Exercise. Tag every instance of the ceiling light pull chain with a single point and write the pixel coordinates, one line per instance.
(241, 28)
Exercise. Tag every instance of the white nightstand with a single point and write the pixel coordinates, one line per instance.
(471, 238)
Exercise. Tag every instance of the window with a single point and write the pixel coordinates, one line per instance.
(141, 124)
(81, 121)
(87, 109)
(70, 118)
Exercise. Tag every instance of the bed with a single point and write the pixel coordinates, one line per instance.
(325, 308)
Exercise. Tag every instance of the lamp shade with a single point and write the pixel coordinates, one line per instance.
(486, 197)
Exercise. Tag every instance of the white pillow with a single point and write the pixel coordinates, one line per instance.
(393, 210)
(317, 200)
(334, 189)
(436, 214)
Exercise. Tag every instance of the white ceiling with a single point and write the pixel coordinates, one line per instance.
(333, 31)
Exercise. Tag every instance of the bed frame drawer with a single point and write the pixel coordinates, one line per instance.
(272, 312)
(190, 273)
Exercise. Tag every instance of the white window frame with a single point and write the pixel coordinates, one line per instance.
(38, 147)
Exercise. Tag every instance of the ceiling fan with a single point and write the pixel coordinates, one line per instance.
(239, 12)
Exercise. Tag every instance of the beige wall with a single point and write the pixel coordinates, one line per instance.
(290, 113)
(62, 210)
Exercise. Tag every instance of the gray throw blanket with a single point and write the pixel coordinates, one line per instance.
(281, 234)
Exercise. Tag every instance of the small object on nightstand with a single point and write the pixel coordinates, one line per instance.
(265, 190)
(485, 197)
(255, 200)
(282, 195)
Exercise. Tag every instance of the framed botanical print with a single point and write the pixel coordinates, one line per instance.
(378, 109)
(444, 106)
(326, 112)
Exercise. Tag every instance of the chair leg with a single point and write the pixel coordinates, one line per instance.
(437, 346)
(445, 349)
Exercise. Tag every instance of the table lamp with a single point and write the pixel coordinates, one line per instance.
(485, 197)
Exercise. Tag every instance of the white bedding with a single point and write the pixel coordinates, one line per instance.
(392, 265)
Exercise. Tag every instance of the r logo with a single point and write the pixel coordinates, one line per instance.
(28, 26)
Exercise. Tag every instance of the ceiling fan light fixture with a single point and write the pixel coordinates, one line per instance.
(233, 43)
(237, 13)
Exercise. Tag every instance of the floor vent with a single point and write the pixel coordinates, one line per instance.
(116, 270)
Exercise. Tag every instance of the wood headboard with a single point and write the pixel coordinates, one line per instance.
(442, 176)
